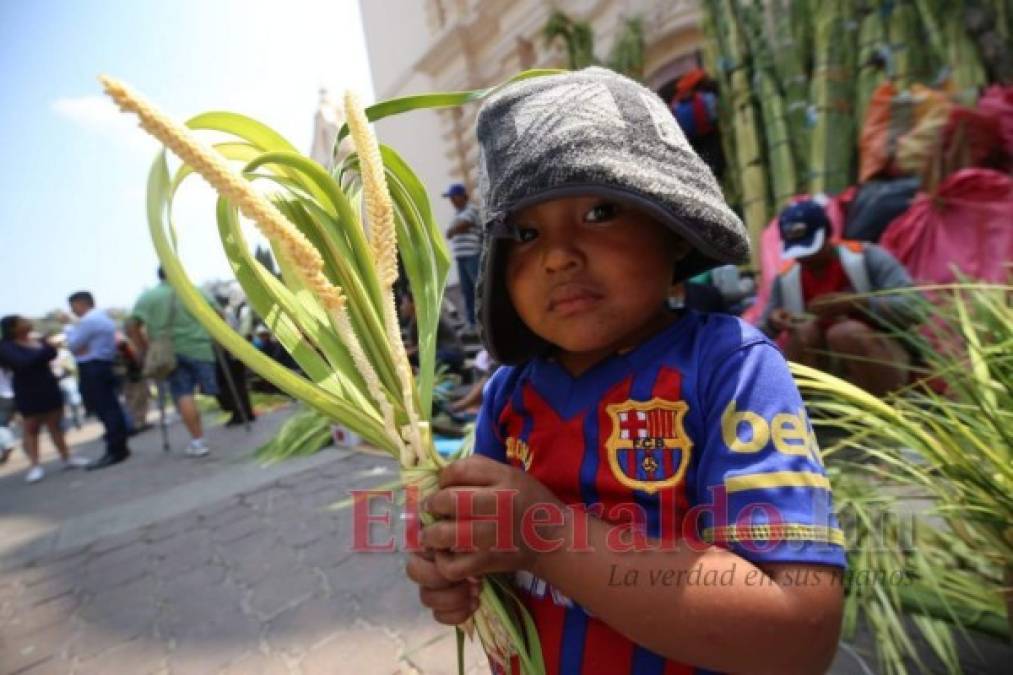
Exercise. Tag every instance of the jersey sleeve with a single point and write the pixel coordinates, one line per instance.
(760, 482)
(488, 439)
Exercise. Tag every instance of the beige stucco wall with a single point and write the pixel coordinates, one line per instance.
(441, 45)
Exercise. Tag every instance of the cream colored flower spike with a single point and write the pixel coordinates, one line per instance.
(379, 210)
(207, 162)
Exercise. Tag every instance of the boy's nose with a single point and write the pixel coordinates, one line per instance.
(561, 255)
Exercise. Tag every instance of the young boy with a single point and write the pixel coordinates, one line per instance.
(625, 437)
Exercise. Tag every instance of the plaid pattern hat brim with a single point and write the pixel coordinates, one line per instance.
(589, 132)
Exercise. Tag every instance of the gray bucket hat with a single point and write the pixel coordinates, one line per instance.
(591, 131)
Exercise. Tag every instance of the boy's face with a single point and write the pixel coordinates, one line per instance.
(591, 275)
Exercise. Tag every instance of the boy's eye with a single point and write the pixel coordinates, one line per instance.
(603, 212)
(525, 234)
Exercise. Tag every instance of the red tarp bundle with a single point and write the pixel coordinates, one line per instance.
(967, 224)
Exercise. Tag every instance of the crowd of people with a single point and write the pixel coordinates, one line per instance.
(95, 367)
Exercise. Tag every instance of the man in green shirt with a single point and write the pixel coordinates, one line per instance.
(159, 312)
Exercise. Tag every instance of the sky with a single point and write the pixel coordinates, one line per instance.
(73, 172)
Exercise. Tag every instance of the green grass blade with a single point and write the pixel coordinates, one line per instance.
(297, 386)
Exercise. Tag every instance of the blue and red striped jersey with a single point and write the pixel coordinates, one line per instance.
(703, 414)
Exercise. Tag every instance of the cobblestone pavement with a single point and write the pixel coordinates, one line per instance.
(260, 582)
(164, 565)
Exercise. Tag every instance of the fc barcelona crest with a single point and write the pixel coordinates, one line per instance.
(648, 448)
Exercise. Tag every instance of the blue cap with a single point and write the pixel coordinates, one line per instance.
(456, 190)
(804, 226)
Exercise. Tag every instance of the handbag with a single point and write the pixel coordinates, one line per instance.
(160, 359)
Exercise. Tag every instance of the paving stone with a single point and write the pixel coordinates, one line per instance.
(120, 567)
(361, 649)
(363, 571)
(126, 612)
(258, 664)
(439, 656)
(173, 557)
(35, 617)
(253, 559)
(48, 589)
(109, 544)
(239, 529)
(26, 662)
(93, 639)
(200, 657)
(36, 646)
(137, 657)
(325, 553)
(167, 529)
(50, 666)
(282, 589)
(308, 624)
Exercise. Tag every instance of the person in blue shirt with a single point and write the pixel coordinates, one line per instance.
(93, 342)
(669, 510)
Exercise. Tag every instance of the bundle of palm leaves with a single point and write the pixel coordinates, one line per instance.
(333, 306)
(935, 462)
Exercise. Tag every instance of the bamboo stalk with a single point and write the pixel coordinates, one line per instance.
(748, 153)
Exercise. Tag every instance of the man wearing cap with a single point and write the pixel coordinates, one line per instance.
(465, 238)
(812, 301)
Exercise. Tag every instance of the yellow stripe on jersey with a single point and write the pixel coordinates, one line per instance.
(784, 532)
(776, 479)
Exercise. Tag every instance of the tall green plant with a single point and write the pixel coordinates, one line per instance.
(953, 446)
(626, 55)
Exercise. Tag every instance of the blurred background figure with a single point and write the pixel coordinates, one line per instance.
(37, 395)
(449, 347)
(93, 343)
(233, 390)
(7, 412)
(136, 388)
(65, 369)
(812, 309)
(695, 108)
(465, 237)
(158, 313)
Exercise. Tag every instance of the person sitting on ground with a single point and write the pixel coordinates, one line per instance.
(469, 404)
(813, 307)
(37, 395)
(159, 312)
(616, 427)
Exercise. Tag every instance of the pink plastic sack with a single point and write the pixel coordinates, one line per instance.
(967, 225)
(770, 249)
(998, 101)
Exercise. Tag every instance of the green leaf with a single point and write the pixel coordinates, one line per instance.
(194, 302)
(396, 106)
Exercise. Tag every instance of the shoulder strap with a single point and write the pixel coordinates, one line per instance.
(852, 257)
(167, 331)
(792, 298)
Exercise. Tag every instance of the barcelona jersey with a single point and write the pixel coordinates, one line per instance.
(701, 428)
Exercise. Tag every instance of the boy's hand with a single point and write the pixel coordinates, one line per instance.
(452, 602)
(482, 504)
